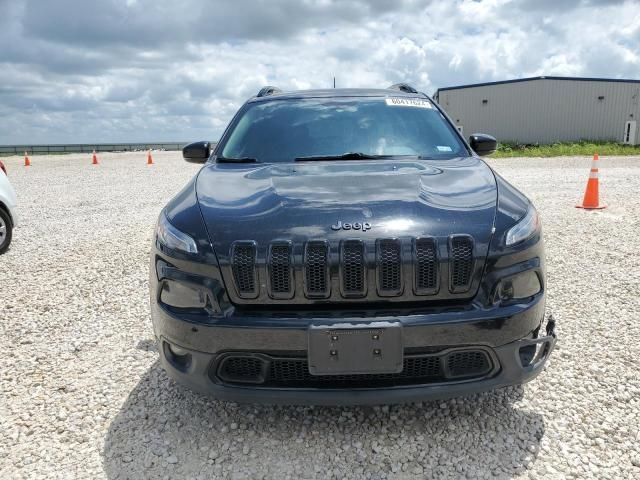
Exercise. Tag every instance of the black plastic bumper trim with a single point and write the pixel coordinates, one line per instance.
(511, 373)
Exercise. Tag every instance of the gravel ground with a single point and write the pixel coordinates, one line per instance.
(83, 395)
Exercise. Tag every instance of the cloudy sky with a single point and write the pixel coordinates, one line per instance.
(74, 71)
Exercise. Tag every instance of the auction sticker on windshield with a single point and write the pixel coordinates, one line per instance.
(408, 102)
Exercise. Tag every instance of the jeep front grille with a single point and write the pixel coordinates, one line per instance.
(426, 266)
(243, 265)
(280, 273)
(353, 268)
(389, 267)
(316, 269)
(461, 263)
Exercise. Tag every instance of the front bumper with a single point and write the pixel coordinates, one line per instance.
(519, 325)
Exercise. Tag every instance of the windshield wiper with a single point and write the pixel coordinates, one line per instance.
(237, 160)
(344, 156)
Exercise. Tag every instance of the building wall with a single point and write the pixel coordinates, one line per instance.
(545, 110)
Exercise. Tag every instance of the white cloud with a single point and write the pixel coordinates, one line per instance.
(145, 70)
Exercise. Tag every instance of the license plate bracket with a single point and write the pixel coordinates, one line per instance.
(344, 349)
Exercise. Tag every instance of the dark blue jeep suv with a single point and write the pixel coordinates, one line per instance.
(348, 247)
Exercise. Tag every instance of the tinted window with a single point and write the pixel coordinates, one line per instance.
(282, 130)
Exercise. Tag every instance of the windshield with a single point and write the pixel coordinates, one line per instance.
(285, 130)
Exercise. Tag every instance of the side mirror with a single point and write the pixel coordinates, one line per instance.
(196, 152)
(483, 144)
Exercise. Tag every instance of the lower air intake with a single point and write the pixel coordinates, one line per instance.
(467, 363)
(242, 369)
(292, 370)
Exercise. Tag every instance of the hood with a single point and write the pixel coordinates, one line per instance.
(321, 200)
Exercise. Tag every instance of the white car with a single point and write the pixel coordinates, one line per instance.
(8, 214)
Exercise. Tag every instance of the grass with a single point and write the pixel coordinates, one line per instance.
(506, 150)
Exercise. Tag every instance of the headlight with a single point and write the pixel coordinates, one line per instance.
(526, 227)
(172, 238)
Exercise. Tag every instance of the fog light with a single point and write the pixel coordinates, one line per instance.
(520, 286)
(182, 295)
(177, 356)
(178, 351)
(505, 292)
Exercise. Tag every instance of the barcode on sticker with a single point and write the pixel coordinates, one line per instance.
(408, 102)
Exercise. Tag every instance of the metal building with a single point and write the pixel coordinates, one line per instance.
(547, 109)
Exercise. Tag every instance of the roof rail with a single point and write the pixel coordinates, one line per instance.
(403, 87)
(269, 90)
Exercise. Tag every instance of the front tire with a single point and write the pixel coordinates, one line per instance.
(6, 231)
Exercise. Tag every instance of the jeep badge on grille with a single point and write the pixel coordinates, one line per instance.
(364, 226)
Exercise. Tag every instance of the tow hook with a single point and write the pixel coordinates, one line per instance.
(551, 327)
(532, 353)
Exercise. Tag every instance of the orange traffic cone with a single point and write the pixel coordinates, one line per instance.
(94, 159)
(27, 162)
(591, 199)
(149, 158)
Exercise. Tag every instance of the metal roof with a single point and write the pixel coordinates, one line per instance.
(529, 79)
